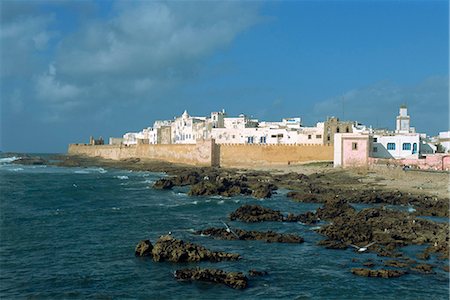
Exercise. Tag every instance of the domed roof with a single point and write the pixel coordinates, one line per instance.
(185, 114)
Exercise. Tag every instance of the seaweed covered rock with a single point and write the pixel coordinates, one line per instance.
(304, 197)
(262, 191)
(254, 273)
(144, 248)
(395, 264)
(187, 178)
(30, 160)
(163, 184)
(334, 208)
(330, 244)
(236, 280)
(256, 213)
(378, 273)
(226, 187)
(168, 248)
(268, 236)
(423, 268)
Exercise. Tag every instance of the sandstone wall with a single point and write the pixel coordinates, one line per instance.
(245, 155)
(207, 153)
(193, 154)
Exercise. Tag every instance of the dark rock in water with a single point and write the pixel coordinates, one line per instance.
(268, 236)
(368, 264)
(236, 280)
(335, 208)
(254, 273)
(227, 187)
(423, 268)
(262, 191)
(423, 255)
(143, 248)
(303, 197)
(395, 263)
(306, 218)
(131, 160)
(32, 160)
(187, 178)
(256, 213)
(204, 188)
(168, 248)
(378, 273)
(163, 184)
(330, 244)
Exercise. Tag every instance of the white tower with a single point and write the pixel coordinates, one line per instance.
(403, 120)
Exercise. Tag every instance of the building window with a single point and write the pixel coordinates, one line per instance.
(250, 140)
(318, 136)
(233, 136)
(337, 129)
(375, 140)
(414, 148)
(354, 146)
(375, 149)
(406, 146)
(328, 137)
(262, 140)
(347, 130)
(391, 146)
(309, 136)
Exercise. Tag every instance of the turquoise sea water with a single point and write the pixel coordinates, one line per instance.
(71, 233)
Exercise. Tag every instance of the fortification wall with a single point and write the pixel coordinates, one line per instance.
(192, 154)
(245, 155)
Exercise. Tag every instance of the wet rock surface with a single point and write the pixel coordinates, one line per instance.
(256, 213)
(254, 273)
(378, 273)
(30, 160)
(144, 248)
(163, 184)
(170, 249)
(236, 280)
(268, 236)
(423, 268)
(330, 244)
(395, 264)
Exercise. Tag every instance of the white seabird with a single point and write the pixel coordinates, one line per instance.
(364, 248)
(230, 230)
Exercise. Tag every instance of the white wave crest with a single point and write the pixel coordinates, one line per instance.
(122, 177)
(6, 160)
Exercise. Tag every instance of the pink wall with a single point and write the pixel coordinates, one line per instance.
(354, 157)
(430, 162)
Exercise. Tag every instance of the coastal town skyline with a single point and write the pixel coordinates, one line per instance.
(74, 69)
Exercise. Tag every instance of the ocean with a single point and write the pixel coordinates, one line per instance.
(71, 233)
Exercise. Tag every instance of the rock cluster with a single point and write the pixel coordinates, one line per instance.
(168, 248)
(236, 280)
(32, 160)
(256, 213)
(378, 273)
(268, 236)
(213, 182)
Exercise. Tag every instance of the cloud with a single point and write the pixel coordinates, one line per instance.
(378, 104)
(133, 54)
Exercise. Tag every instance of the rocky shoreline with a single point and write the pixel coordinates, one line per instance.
(342, 225)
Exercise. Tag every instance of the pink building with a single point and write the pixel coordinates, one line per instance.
(351, 149)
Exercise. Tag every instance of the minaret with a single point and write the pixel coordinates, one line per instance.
(403, 120)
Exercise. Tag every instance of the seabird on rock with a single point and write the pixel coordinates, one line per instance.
(229, 230)
(364, 248)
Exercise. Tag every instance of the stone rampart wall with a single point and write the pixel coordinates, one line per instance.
(245, 155)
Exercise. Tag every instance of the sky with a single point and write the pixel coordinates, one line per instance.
(71, 69)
